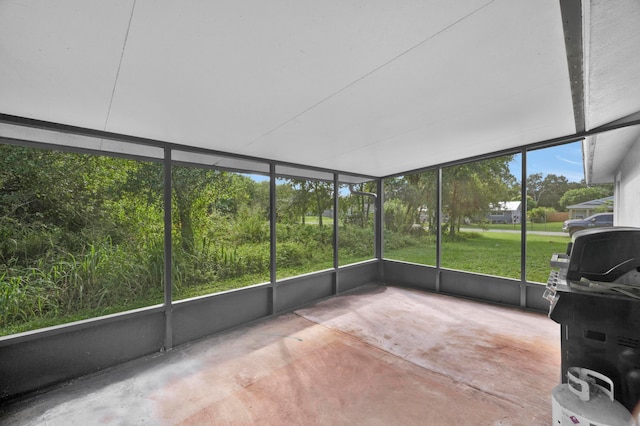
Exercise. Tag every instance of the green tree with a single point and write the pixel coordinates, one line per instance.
(52, 201)
(323, 197)
(413, 201)
(302, 197)
(45, 186)
(557, 186)
(358, 209)
(309, 196)
(547, 190)
(258, 198)
(196, 192)
(580, 195)
(535, 186)
(286, 210)
(470, 189)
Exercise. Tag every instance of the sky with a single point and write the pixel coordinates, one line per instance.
(563, 160)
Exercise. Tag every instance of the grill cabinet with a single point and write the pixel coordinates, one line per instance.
(594, 291)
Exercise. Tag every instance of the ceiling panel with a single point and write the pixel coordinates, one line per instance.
(507, 87)
(612, 62)
(223, 74)
(59, 59)
(372, 88)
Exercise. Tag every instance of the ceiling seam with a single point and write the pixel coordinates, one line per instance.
(376, 69)
(115, 82)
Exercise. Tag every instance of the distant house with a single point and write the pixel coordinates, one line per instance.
(586, 209)
(505, 212)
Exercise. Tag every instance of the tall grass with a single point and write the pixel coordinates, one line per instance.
(103, 275)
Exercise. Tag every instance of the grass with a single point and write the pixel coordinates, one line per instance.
(313, 220)
(491, 253)
(51, 320)
(540, 227)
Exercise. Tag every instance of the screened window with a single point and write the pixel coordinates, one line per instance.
(410, 218)
(555, 189)
(81, 236)
(220, 225)
(481, 218)
(304, 224)
(356, 215)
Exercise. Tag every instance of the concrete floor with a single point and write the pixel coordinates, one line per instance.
(376, 356)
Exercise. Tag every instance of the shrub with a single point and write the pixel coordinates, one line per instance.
(242, 260)
(394, 217)
(250, 228)
(291, 254)
(540, 214)
(395, 240)
(356, 241)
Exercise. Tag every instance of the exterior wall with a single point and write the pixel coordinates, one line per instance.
(588, 208)
(628, 189)
(579, 213)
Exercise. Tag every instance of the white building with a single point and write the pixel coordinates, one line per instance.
(614, 157)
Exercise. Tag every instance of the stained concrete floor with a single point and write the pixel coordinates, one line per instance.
(376, 356)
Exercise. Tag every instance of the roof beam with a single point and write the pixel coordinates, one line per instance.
(572, 24)
(629, 120)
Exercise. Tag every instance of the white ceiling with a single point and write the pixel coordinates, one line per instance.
(603, 153)
(612, 79)
(371, 87)
(612, 60)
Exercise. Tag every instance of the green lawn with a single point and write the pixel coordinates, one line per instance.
(546, 227)
(492, 253)
(313, 220)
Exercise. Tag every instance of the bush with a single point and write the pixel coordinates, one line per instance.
(394, 215)
(356, 241)
(250, 228)
(307, 234)
(540, 214)
(292, 254)
(396, 240)
(243, 260)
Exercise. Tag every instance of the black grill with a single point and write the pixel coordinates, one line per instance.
(594, 290)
